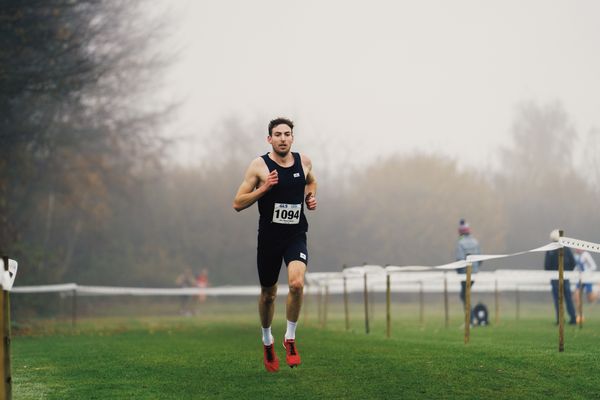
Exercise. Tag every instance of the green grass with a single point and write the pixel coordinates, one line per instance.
(218, 356)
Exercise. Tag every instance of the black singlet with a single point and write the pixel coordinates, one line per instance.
(281, 209)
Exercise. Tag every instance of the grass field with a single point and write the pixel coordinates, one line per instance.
(218, 355)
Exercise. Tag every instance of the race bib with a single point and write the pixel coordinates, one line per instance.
(286, 213)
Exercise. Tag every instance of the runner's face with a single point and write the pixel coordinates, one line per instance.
(281, 139)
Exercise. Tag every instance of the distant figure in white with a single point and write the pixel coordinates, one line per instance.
(185, 280)
(585, 263)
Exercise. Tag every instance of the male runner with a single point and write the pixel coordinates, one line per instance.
(281, 182)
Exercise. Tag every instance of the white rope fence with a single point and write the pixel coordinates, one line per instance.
(503, 280)
(431, 281)
(408, 278)
(136, 291)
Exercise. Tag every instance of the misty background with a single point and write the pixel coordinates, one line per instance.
(126, 127)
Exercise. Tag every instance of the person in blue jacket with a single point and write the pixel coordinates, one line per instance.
(466, 245)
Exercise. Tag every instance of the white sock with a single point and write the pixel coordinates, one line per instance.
(267, 337)
(290, 333)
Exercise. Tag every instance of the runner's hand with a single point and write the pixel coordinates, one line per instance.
(311, 201)
(272, 180)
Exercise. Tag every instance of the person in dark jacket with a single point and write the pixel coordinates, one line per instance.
(551, 264)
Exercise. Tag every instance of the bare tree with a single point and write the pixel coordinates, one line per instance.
(75, 122)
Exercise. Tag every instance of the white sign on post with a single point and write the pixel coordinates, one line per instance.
(9, 274)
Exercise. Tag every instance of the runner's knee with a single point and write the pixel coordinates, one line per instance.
(296, 285)
(268, 295)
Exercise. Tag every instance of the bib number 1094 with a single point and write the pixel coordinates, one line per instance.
(286, 213)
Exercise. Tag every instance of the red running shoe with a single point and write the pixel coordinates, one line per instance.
(291, 353)
(271, 360)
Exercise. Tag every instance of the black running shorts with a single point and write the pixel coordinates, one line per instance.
(272, 251)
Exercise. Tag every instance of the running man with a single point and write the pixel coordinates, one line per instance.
(281, 182)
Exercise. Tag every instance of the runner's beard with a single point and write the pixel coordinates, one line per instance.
(281, 153)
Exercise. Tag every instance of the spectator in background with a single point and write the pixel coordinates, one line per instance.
(202, 282)
(466, 245)
(584, 263)
(185, 280)
(551, 264)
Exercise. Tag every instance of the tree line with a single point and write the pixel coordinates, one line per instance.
(73, 132)
(401, 210)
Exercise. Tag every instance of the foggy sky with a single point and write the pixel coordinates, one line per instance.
(364, 78)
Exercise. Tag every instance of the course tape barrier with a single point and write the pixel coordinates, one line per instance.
(408, 278)
(562, 242)
(579, 244)
(431, 281)
(137, 291)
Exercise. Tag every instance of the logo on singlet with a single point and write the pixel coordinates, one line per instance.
(296, 174)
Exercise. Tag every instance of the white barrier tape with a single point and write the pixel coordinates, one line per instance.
(431, 281)
(364, 269)
(548, 247)
(452, 265)
(360, 270)
(315, 277)
(111, 291)
(354, 287)
(579, 244)
(516, 275)
(377, 271)
(483, 257)
(9, 274)
(506, 276)
(63, 287)
(410, 268)
(191, 291)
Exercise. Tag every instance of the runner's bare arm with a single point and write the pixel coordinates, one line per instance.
(311, 184)
(250, 191)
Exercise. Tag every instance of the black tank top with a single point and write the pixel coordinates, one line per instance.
(281, 209)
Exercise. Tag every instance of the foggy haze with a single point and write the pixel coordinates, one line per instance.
(365, 78)
(434, 111)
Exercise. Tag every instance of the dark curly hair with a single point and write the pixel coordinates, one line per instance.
(279, 121)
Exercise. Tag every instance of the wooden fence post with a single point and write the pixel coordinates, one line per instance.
(325, 306)
(6, 376)
(366, 301)
(579, 294)
(421, 304)
(496, 303)
(346, 310)
(74, 308)
(388, 300)
(468, 304)
(518, 302)
(561, 297)
(446, 314)
(319, 304)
